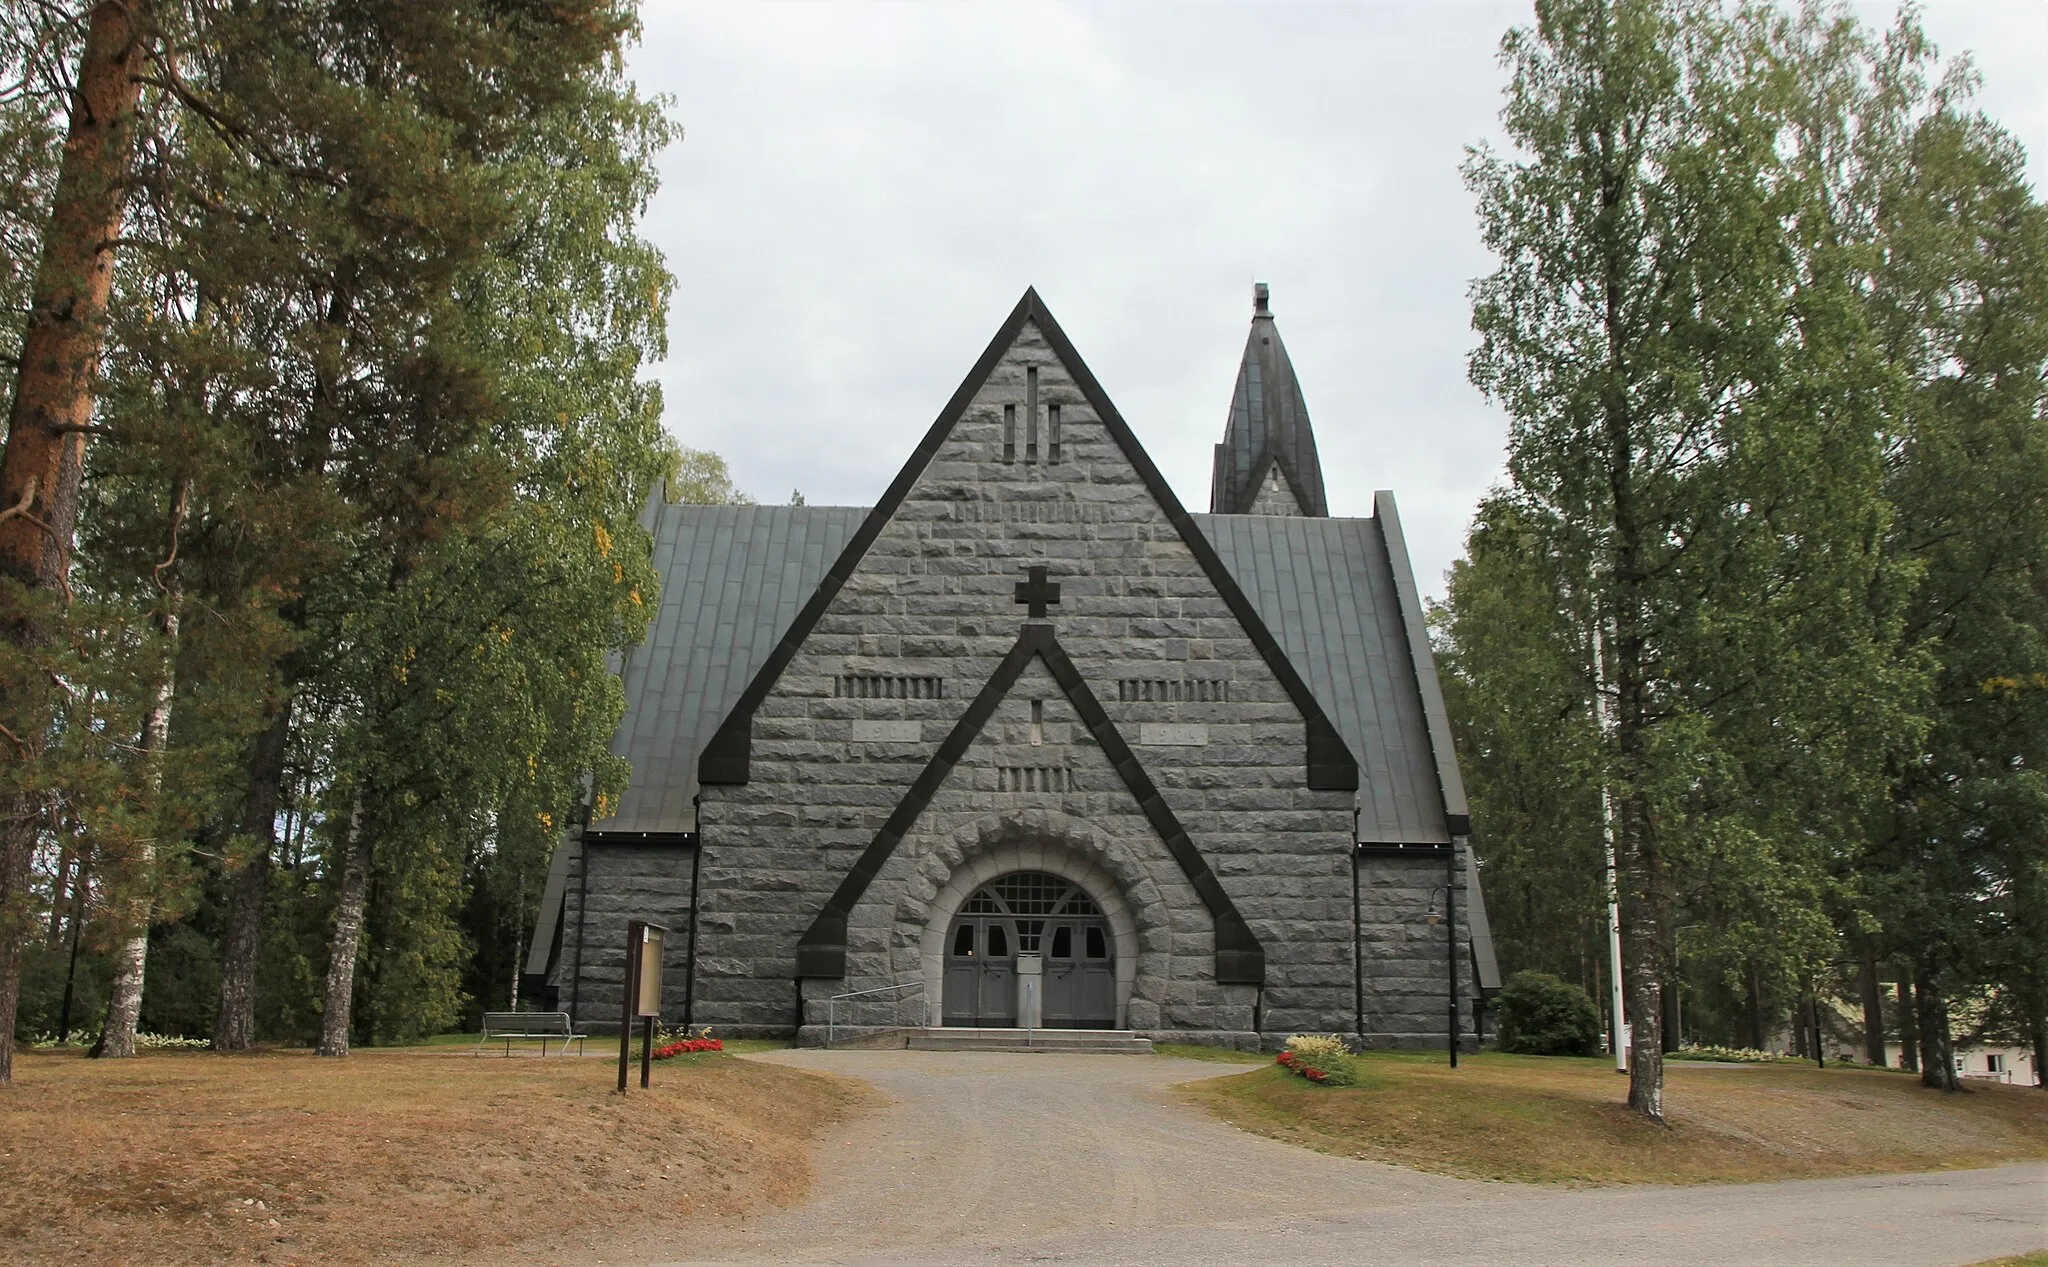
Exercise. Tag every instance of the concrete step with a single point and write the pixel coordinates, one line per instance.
(1099, 1041)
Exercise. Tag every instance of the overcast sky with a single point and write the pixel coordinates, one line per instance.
(866, 189)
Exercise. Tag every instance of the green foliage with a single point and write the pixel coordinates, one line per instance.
(376, 430)
(1768, 323)
(1540, 1015)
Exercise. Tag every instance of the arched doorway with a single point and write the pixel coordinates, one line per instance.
(1030, 913)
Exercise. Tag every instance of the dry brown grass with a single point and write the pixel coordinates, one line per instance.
(1538, 1120)
(389, 1155)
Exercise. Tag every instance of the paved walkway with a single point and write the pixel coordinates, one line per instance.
(992, 1157)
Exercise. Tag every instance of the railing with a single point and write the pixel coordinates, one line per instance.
(832, 1004)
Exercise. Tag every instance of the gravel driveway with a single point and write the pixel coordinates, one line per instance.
(989, 1157)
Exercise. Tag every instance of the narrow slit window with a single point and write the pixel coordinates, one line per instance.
(1052, 435)
(1009, 433)
(1037, 721)
(1030, 413)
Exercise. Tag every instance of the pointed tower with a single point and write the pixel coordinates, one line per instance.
(1267, 462)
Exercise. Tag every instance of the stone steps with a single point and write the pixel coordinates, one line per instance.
(1098, 1041)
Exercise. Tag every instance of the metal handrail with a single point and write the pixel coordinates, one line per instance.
(832, 1004)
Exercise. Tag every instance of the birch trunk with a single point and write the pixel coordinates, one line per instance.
(1909, 1029)
(124, 999)
(45, 453)
(348, 933)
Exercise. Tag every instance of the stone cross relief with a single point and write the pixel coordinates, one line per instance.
(1038, 592)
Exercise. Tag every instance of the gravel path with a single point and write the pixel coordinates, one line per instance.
(994, 1157)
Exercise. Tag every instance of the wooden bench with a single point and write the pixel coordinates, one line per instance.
(528, 1026)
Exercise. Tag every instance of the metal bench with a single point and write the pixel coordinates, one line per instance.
(528, 1026)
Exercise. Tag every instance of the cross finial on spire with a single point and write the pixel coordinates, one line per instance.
(1260, 294)
(1038, 592)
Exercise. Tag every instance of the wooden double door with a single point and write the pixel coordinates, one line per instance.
(1030, 912)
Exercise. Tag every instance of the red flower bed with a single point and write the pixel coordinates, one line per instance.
(1295, 1064)
(688, 1047)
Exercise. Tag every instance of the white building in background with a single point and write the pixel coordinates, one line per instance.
(2013, 1064)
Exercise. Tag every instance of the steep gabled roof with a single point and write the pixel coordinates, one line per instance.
(1268, 427)
(733, 578)
(1338, 594)
(727, 758)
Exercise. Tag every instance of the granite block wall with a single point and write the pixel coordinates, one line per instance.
(1159, 648)
(623, 882)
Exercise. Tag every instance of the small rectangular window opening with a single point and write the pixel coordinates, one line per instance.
(1052, 435)
(1037, 721)
(1009, 433)
(1030, 413)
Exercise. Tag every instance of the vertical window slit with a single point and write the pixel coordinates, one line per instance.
(1009, 433)
(1052, 435)
(1030, 413)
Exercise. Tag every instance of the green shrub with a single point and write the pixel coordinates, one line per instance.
(1540, 1015)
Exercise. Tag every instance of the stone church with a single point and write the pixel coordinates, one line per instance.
(1027, 744)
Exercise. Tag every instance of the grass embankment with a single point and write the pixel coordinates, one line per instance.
(1531, 1119)
(409, 1155)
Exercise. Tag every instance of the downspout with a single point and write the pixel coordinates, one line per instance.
(1451, 947)
(582, 915)
(1357, 936)
(696, 865)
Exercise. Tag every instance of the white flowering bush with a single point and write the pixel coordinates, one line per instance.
(1318, 1047)
(1738, 1055)
(169, 1042)
(1321, 1058)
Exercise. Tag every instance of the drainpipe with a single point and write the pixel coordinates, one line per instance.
(696, 864)
(1451, 947)
(1357, 937)
(582, 917)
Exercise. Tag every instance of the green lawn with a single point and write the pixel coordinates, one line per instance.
(1533, 1119)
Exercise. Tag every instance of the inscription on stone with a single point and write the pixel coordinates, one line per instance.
(887, 731)
(1173, 734)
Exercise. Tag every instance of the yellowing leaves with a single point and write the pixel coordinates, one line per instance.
(604, 542)
(2012, 687)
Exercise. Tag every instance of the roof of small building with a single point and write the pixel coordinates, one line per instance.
(1268, 427)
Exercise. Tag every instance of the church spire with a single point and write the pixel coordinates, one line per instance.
(1267, 462)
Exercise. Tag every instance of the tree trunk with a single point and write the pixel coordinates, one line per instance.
(1909, 1028)
(1753, 1004)
(1873, 1011)
(348, 933)
(242, 944)
(1642, 962)
(124, 1000)
(1937, 1047)
(45, 454)
(58, 886)
(2037, 1030)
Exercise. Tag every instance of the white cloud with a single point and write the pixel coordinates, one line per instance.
(866, 190)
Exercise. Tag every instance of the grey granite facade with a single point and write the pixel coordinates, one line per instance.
(1154, 748)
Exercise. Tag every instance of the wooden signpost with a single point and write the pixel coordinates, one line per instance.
(642, 996)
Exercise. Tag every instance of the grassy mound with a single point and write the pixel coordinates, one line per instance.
(403, 1155)
(1536, 1119)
